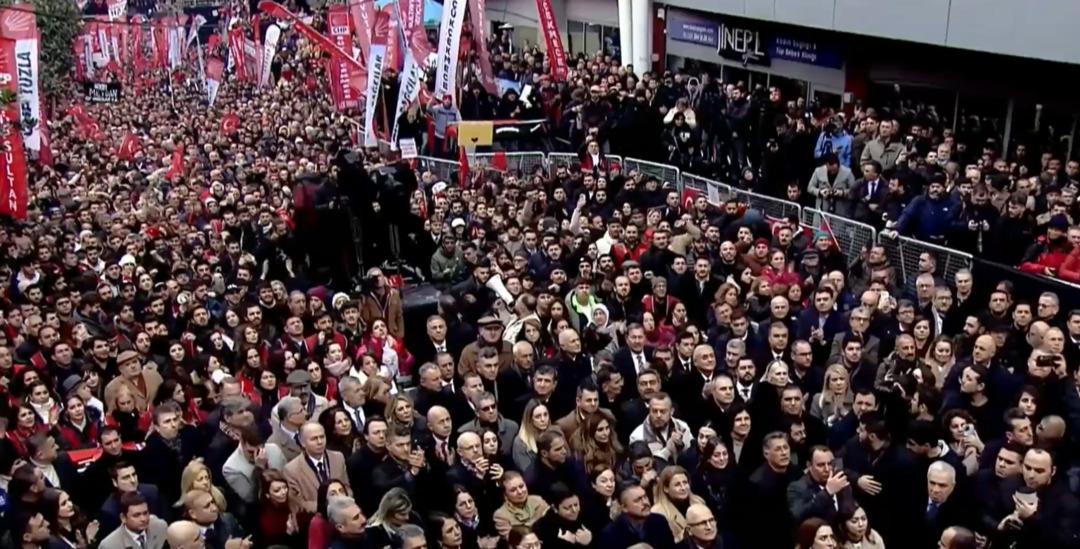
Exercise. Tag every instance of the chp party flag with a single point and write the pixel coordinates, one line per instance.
(214, 69)
(376, 63)
(19, 24)
(327, 45)
(342, 75)
(117, 9)
(362, 17)
(176, 167)
(478, 23)
(13, 191)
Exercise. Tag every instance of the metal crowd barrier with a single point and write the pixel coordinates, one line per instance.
(903, 253)
(851, 236)
(663, 172)
(526, 162)
(555, 160)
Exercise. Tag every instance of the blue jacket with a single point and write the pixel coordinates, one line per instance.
(927, 219)
(839, 144)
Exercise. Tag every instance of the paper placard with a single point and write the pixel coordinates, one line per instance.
(408, 148)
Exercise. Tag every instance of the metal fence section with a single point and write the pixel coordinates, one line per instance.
(663, 172)
(904, 252)
(773, 208)
(569, 160)
(714, 191)
(524, 161)
(443, 169)
(851, 236)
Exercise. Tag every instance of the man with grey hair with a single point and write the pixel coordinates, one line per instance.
(291, 416)
(940, 510)
(412, 537)
(353, 399)
(1048, 308)
(430, 392)
(347, 521)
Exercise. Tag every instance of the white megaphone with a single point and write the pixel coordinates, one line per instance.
(496, 285)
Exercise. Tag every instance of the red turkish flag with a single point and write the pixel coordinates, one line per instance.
(229, 124)
(177, 166)
(128, 147)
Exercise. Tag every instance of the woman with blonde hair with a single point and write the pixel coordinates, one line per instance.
(534, 422)
(395, 510)
(595, 442)
(671, 494)
(400, 412)
(834, 400)
(196, 476)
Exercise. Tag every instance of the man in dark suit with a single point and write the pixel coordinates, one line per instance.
(515, 382)
(437, 441)
(776, 347)
(687, 387)
(869, 195)
(435, 342)
(169, 448)
(634, 411)
(404, 466)
(822, 492)
(217, 526)
(97, 478)
(1049, 519)
(57, 468)
(988, 484)
(820, 324)
(637, 524)
(125, 480)
(698, 293)
(943, 507)
(635, 356)
(476, 474)
(363, 462)
(430, 392)
(767, 517)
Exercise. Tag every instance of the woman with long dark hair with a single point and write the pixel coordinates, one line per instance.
(68, 525)
(715, 479)
(320, 531)
(277, 524)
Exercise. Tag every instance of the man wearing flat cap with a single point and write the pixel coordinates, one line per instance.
(382, 301)
(143, 383)
(491, 335)
(299, 382)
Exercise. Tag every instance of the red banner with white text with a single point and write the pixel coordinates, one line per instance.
(550, 27)
(13, 193)
(342, 74)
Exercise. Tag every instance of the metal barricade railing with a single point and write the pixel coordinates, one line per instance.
(714, 191)
(443, 169)
(524, 161)
(904, 252)
(663, 172)
(773, 208)
(851, 236)
(562, 159)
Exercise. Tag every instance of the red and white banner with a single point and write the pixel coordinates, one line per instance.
(412, 26)
(393, 39)
(269, 50)
(128, 147)
(479, 33)
(117, 9)
(176, 41)
(215, 67)
(20, 26)
(555, 52)
(176, 167)
(193, 33)
(327, 45)
(237, 60)
(13, 192)
(341, 72)
(410, 87)
(447, 50)
(376, 64)
(362, 16)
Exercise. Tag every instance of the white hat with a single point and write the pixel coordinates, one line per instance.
(128, 259)
(339, 300)
(439, 187)
(457, 222)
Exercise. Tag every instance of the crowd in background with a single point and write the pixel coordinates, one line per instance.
(184, 359)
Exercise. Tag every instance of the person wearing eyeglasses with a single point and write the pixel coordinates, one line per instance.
(701, 530)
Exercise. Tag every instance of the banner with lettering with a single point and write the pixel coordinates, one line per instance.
(327, 45)
(393, 40)
(270, 44)
(447, 49)
(341, 72)
(236, 53)
(117, 9)
(478, 22)
(412, 26)
(102, 92)
(376, 63)
(550, 27)
(13, 192)
(362, 16)
(20, 25)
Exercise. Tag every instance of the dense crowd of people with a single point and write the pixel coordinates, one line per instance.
(185, 362)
